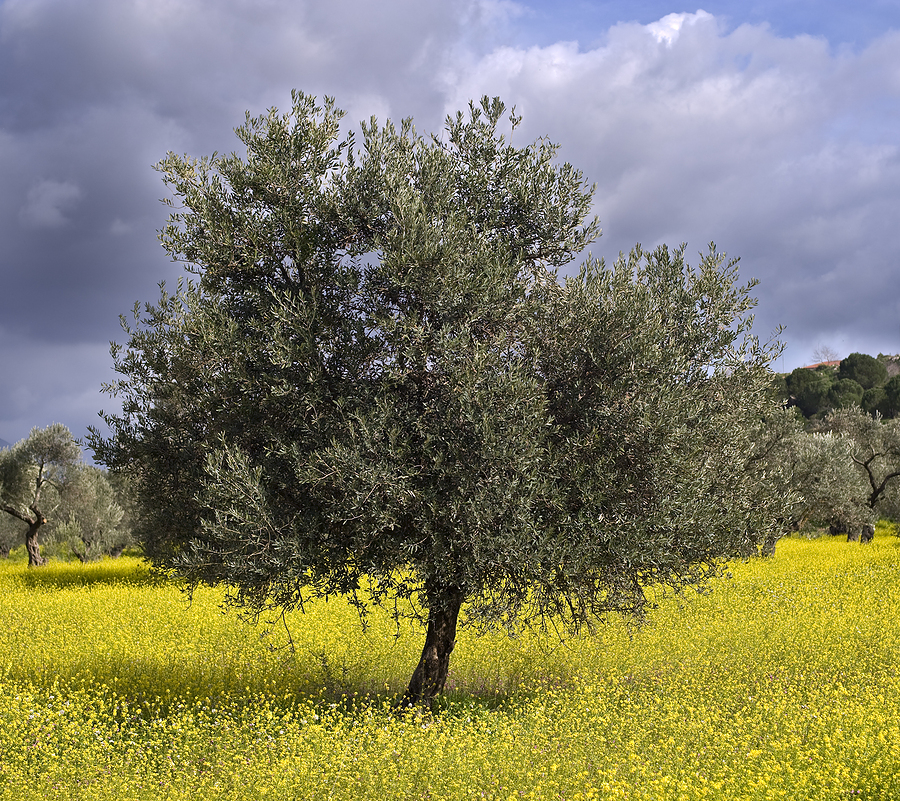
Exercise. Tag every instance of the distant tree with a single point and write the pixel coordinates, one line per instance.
(874, 401)
(89, 519)
(33, 473)
(378, 387)
(845, 393)
(865, 370)
(808, 389)
(124, 494)
(824, 353)
(814, 473)
(890, 406)
(875, 448)
(832, 491)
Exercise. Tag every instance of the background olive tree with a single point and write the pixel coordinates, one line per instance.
(33, 474)
(377, 386)
(874, 449)
(89, 522)
(12, 534)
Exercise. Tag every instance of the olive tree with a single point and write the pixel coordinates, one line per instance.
(376, 385)
(12, 533)
(874, 449)
(33, 474)
(90, 518)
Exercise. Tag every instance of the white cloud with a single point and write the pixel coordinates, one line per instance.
(783, 151)
(667, 29)
(46, 204)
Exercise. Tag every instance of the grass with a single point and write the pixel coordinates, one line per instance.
(783, 682)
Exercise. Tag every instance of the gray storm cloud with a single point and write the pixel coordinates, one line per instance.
(47, 202)
(782, 150)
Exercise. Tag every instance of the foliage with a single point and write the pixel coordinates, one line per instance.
(841, 473)
(860, 381)
(891, 407)
(887, 401)
(814, 473)
(833, 491)
(90, 517)
(874, 401)
(865, 370)
(883, 400)
(845, 393)
(808, 389)
(875, 449)
(12, 533)
(33, 474)
(378, 388)
(780, 683)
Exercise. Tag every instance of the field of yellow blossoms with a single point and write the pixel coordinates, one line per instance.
(782, 682)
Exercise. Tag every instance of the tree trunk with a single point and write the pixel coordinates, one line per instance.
(431, 673)
(31, 544)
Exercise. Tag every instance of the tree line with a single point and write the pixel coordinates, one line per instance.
(838, 441)
(47, 494)
(858, 382)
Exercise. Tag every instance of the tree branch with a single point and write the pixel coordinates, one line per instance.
(17, 514)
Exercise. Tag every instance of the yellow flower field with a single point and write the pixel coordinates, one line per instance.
(782, 682)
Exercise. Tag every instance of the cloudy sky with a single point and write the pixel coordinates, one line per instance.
(769, 126)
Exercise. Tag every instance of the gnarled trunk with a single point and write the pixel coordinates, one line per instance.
(31, 543)
(431, 673)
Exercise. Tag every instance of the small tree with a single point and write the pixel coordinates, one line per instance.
(831, 491)
(32, 475)
(825, 353)
(813, 472)
(378, 387)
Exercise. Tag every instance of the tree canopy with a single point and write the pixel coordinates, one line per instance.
(874, 449)
(377, 386)
(808, 389)
(865, 370)
(859, 381)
